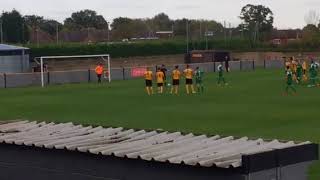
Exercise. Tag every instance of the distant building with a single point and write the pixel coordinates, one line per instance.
(164, 34)
(283, 37)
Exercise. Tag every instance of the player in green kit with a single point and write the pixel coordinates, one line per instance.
(289, 80)
(199, 80)
(221, 77)
(313, 71)
(299, 73)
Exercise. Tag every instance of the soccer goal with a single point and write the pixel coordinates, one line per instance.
(69, 64)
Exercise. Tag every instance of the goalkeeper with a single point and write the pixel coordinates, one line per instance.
(99, 71)
(199, 80)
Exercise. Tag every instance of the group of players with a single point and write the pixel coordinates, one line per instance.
(189, 74)
(161, 79)
(296, 73)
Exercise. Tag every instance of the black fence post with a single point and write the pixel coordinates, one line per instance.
(5, 80)
(264, 64)
(214, 66)
(89, 76)
(123, 74)
(253, 65)
(240, 65)
(48, 77)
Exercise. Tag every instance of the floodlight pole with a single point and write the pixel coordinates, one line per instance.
(57, 33)
(37, 36)
(200, 30)
(42, 78)
(109, 70)
(187, 31)
(108, 32)
(1, 31)
(206, 34)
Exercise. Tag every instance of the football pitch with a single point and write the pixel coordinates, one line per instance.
(252, 105)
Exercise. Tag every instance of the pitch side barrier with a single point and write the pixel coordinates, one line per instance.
(11, 80)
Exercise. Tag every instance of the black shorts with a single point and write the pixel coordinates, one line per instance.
(160, 84)
(99, 76)
(175, 82)
(148, 83)
(189, 81)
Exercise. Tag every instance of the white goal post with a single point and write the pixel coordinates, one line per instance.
(105, 57)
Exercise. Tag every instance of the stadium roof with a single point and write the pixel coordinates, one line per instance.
(6, 47)
(175, 148)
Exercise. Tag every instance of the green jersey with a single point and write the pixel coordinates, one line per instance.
(199, 76)
(299, 70)
(313, 70)
(289, 77)
(220, 70)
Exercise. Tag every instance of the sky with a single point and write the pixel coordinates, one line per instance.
(287, 13)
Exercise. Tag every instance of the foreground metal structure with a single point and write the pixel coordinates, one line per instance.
(67, 151)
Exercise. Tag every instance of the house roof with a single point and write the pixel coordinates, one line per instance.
(287, 34)
(6, 47)
(164, 32)
(169, 147)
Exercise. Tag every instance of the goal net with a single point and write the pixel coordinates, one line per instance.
(71, 69)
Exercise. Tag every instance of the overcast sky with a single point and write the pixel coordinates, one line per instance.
(287, 13)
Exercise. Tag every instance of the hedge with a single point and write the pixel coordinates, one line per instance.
(162, 48)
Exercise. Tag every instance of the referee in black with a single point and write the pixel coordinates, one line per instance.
(164, 70)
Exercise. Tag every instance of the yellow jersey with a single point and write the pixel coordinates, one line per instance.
(176, 74)
(304, 65)
(188, 73)
(148, 75)
(160, 77)
(294, 66)
(288, 64)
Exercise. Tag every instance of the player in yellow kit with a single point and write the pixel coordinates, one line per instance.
(160, 80)
(305, 68)
(175, 80)
(148, 78)
(294, 66)
(288, 64)
(188, 73)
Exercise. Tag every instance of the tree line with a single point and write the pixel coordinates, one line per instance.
(17, 28)
(256, 26)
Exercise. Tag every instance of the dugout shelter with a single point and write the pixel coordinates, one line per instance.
(14, 59)
(204, 56)
(40, 150)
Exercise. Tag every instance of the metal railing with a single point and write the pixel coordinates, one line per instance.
(10, 80)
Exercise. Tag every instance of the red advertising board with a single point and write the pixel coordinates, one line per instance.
(138, 72)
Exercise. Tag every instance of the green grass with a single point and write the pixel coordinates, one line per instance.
(253, 105)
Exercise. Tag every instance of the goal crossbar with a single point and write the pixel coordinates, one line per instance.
(76, 56)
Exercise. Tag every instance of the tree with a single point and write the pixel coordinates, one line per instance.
(38, 22)
(179, 27)
(50, 26)
(310, 33)
(258, 19)
(33, 21)
(14, 28)
(162, 22)
(312, 17)
(126, 28)
(85, 19)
